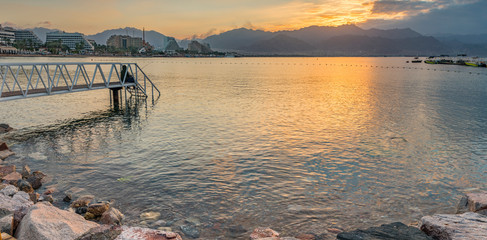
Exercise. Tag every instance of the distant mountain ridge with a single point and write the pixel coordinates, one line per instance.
(323, 40)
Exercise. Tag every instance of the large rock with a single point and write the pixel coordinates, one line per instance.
(12, 178)
(263, 232)
(24, 186)
(6, 223)
(8, 205)
(82, 201)
(112, 217)
(46, 222)
(35, 179)
(5, 170)
(462, 226)
(392, 231)
(136, 233)
(9, 190)
(473, 202)
(97, 209)
(103, 232)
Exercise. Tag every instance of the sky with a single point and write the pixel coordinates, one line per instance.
(189, 18)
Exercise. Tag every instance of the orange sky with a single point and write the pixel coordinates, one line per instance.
(186, 18)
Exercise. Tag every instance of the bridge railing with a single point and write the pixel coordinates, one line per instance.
(23, 80)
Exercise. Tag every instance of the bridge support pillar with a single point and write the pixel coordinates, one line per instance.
(116, 96)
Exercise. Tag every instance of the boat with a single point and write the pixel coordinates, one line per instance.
(471, 64)
(417, 61)
(430, 62)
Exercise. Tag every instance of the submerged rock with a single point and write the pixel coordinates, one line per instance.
(397, 231)
(468, 225)
(473, 202)
(150, 215)
(44, 221)
(263, 232)
(82, 201)
(5, 154)
(67, 198)
(190, 231)
(112, 217)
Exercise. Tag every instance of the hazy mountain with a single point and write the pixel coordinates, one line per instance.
(354, 45)
(467, 39)
(311, 38)
(281, 43)
(237, 39)
(156, 39)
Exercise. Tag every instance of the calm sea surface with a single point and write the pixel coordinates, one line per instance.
(297, 144)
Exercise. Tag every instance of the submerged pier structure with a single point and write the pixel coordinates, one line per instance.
(27, 80)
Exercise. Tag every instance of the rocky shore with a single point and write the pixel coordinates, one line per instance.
(27, 212)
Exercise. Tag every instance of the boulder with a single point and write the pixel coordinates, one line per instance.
(468, 225)
(5, 128)
(98, 209)
(5, 170)
(82, 201)
(8, 205)
(17, 218)
(12, 178)
(25, 172)
(263, 232)
(34, 197)
(137, 233)
(6, 236)
(473, 202)
(103, 232)
(35, 179)
(5, 154)
(46, 222)
(24, 186)
(6, 223)
(397, 231)
(112, 217)
(46, 198)
(3, 146)
(9, 190)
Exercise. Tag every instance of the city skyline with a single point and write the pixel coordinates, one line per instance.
(193, 18)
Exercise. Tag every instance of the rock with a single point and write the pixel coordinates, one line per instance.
(397, 231)
(3, 146)
(6, 223)
(190, 231)
(34, 197)
(12, 178)
(112, 217)
(5, 170)
(192, 221)
(9, 190)
(17, 218)
(5, 154)
(150, 216)
(35, 179)
(334, 230)
(137, 233)
(165, 229)
(25, 172)
(24, 186)
(473, 202)
(263, 232)
(46, 222)
(160, 223)
(468, 225)
(6, 236)
(82, 201)
(89, 216)
(236, 231)
(103, 232)
(46, 198)
(98, 209)
(67, 198)
(49, 191)
(81, 210)
(8, 205)
(5, 128)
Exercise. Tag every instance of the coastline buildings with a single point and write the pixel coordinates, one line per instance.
(7, 36)
(124, 42)
(28, 37)
(195, 46)
(170, 45)
(70, 39)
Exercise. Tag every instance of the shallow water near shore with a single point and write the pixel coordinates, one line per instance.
(297, 144)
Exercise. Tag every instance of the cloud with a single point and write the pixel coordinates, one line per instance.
(45, 24)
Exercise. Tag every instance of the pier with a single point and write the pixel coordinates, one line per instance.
(27, 80)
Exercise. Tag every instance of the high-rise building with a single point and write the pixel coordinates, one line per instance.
(69, 39)
(124, 42)
(7, 35)
(28, 36)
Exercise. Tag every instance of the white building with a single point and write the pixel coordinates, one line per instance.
(28, 37)
(7, 36)
(69, 39)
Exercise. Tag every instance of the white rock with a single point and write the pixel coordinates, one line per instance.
(468, 226)
(473, 202)
(9, 190)
(137, 233)
(11, 204)
(46, 222)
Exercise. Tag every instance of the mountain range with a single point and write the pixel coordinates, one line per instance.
(345, 40)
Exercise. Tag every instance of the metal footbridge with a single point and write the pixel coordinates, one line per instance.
(26, 80)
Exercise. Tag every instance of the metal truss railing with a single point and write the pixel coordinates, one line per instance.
(24, 80)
